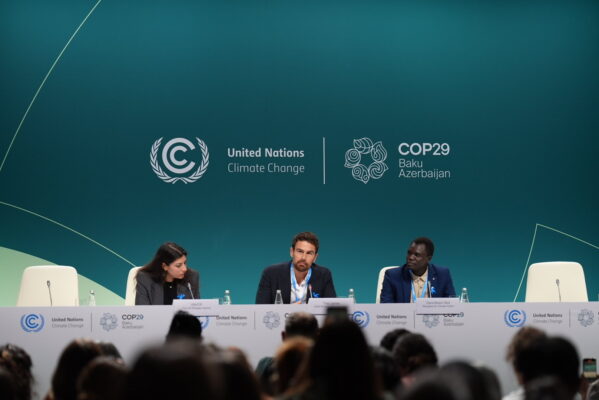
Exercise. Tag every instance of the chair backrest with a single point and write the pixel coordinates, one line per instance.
(546, 281)
(379, 285)
(131, 287)
(46, 285)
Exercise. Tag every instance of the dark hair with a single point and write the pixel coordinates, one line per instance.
(237, 378)
(184, 325)
(340, 364)
(102, 379)
(469, 377)
(385, 368)
(431, 388)
(305, 237)
(110, 350)
(388, 341)
(180, 363)
(546, 388)
(524, 338)
(551, 356)
(73, 359)
(166, 253)
(412, 352)
(428, 244)
(16, 360)
(288, 359)
(301, 324)
(8, 389)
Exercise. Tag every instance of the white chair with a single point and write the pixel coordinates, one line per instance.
(556, 281)
(131, 290)
(379, 285)
(49, 285)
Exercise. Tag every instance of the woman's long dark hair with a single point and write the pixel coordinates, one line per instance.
(339, 366)
(166, 253)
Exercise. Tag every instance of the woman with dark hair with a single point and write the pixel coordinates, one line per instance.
(73, 359)
(16, 360)
(338, 367)
(166, 278)
(178, 370)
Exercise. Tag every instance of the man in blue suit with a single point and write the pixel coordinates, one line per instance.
(418, 277)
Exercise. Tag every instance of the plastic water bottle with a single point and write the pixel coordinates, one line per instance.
(227, 297)
(464, 296)
(352, 295)
(278, 297)
(92, 298)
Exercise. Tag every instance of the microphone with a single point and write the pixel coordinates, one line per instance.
(310, 291)
(559, 292)
(190, 291)
(49, 292)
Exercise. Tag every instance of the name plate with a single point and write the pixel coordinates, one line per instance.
(319, 305)
(437, 305)
(195, 306)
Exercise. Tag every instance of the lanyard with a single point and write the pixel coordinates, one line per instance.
(423, 291)
(295, 286)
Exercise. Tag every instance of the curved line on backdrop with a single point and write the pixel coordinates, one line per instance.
(534, 236)
(44, 82)
(69, 229)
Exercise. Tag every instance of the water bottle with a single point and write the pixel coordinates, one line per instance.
(92, 298)
(278, 297)
(464, 296)
(352, 295)
(227, 297)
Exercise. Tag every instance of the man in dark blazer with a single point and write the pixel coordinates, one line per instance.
(418, 277)
(298, 279)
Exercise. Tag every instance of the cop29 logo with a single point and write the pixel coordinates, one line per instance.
(174, 163)
(357, 158)
(32, 322)
(514, 318)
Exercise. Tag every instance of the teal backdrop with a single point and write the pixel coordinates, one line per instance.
(509, 90)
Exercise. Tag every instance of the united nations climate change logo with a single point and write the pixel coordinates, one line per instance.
(204, 321)
(271, 320)
(32, 322)
(361, 318)
(514, 318)
(108, 322)
(176, 165)
(354, 160)
(586, 318)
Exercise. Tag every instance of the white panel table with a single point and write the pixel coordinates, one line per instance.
(475, 331)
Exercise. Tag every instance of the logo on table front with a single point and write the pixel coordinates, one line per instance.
(32, 322)
(204, 321)
(175, 163)
(356, 158)
(431, 320)
(271, 320)
(514, 318)
(361, 318)
(108, 322)
(586, 318)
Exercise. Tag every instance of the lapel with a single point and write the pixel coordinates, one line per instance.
(406, 283)
(286, 285)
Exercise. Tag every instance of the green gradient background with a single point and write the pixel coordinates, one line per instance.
(512, 86)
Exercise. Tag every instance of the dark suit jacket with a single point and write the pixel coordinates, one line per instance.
(149, 292)
(397, 285)
(278, 276)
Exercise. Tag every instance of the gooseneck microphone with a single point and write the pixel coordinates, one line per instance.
(310, 290)
(559, 292)
(49, 292)
(190, 291)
